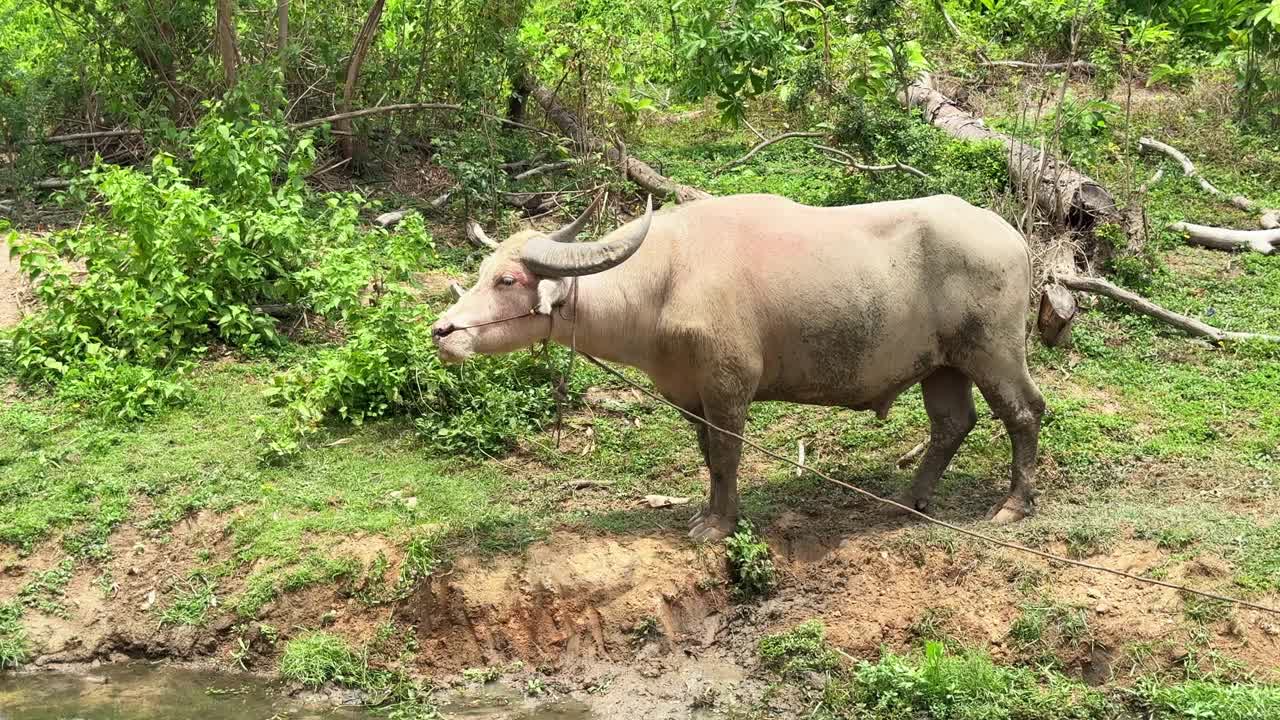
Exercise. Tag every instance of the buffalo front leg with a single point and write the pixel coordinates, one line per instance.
(723, 453)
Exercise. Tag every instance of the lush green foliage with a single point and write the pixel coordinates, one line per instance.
(175, 259)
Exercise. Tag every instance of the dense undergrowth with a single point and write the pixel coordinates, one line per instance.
(936, 683)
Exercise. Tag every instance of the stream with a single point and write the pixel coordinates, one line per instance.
(141, 691)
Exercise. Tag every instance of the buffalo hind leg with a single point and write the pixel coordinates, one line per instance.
(948, 399)
(723, 453)
(1019, 404)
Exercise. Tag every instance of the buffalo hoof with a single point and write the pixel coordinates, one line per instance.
(710, 527)
(918, 504)
(1011, 510)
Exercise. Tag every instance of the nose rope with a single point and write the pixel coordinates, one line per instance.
(454, 328)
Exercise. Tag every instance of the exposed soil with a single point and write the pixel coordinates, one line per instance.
(12, 289)
(648, 622)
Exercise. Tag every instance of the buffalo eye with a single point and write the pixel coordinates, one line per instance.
(507, 280)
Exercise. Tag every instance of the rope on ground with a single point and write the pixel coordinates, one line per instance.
(942, 523)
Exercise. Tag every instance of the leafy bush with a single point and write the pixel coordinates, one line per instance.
(750, 565)
(964, 686)
(174, 259)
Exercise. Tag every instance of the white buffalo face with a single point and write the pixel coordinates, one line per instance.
(522, 283)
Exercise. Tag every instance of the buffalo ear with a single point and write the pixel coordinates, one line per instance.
(552, 292)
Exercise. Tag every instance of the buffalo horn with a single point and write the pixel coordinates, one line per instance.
(556, 255)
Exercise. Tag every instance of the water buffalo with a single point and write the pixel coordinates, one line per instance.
(733, 299)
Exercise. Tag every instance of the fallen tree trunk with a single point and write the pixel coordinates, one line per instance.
(637, 171)
(1191, 326)
(1062, 192)
(1263, 241)
(1080, 65)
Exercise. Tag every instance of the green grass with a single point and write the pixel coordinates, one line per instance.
(317, 658)
(799, 651)
(1195, 700)
(968, 684)
(14, 648)
(963, 685)
(191, 604)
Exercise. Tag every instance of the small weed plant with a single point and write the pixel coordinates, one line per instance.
(750, 565)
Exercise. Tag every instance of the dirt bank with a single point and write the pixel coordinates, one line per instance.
(654, 615)
(12, 289)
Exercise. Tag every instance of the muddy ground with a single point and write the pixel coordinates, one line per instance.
(649, 624)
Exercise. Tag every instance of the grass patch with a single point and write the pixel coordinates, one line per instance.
(14, 650)
(44, 592)
(1194, 700)
(191, 604)
(799, 651)
(318, 658)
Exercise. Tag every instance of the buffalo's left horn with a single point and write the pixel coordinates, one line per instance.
(556, 255)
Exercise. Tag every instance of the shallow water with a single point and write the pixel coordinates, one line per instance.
(142, 691)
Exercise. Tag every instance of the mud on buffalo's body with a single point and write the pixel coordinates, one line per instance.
(754, 297)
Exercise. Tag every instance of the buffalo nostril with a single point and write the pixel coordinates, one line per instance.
(443, 330)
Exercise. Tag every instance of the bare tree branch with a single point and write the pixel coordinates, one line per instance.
(477, 236)
(98, 135)
(851, 161)
(1189, 169)
(1191, 326)
(766, 143)
(1079, 65)
(637, 171)
(544, 169)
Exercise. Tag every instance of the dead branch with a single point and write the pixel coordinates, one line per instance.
(402, 107)
(98, 135)
(1263, 241)
(1189, 169)
(1191, 326)
(912, 455)
(544, 169)
(328, 168)
(389, 220)
(443, 198)
(851, 161)
(941, 6)
(1083, 66)
(766, 143)
(51, 184)
(1155, 180)
(1061, 191)
(637, 171)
